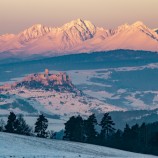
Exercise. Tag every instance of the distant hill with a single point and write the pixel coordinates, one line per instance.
(52, 94)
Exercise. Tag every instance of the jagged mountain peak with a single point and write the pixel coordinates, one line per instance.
(38, 27)
(78, 30)
(134, 26)
(79, 22)
(138, 24)
(144, 29)
(122, 27)
(33, 32)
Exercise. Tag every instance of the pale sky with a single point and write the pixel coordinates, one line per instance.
(16, 15)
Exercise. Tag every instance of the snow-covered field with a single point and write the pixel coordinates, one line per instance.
(57, 106)
(113, 87)
(31, 147)
(133, 87)
(52, 103)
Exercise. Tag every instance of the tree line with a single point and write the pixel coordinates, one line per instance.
(18, 125)
(137, 138)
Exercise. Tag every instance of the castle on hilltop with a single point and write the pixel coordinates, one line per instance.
(59, 78)
(45, 79)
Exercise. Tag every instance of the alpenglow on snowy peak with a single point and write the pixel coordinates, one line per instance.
(33, 32)
(78, 36)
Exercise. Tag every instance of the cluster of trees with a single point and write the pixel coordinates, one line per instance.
(78, 129)
(138, 138)
(141, 139)
(17, 124)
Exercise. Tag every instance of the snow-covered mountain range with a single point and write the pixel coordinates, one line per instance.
(78, 36)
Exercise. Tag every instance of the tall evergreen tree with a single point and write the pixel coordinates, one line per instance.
(90, 131)
(107, 126)
(74, 129)
(117, 139)
(41, 126)
(135, 133)
(11, 123)
(79, 129)
(69, 128)
(127, 131)
(143, 135)
(22, 127)
(127, 137)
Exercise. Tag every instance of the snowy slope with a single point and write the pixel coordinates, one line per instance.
(51, 103)
(31, 147)
(79, 36)
(51, 94)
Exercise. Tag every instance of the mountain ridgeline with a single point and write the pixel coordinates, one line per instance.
(77, 36)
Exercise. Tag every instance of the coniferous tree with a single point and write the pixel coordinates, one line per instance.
(90, 130)
(127, 137)
(22, 127)
(142, 139)
(41, 126)
(74, 129)
(117, 139)
(69, 126)
(127, 131)
(135, 137)
(11, 123)
(79, 130)
(106, 126)
(143, 135)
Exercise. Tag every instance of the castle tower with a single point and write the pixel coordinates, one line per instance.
(46, 73)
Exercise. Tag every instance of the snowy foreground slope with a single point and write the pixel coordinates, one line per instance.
(31, 147)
